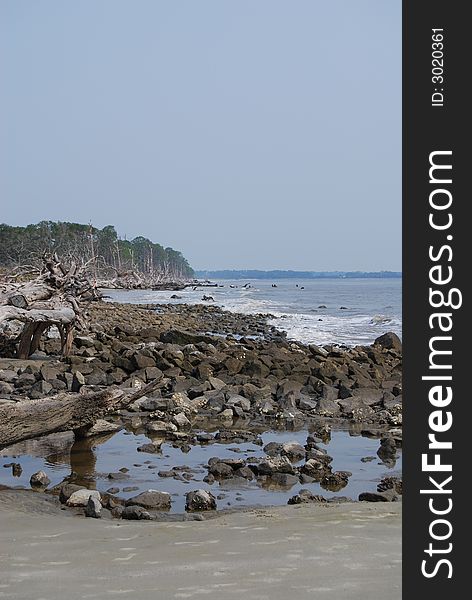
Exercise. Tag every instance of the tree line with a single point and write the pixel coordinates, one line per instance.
(106, 254)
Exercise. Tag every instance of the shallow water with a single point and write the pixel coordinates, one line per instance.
(308, 310)
(92, 460)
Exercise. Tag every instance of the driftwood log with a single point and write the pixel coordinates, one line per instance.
(62, 412)
(53, 298)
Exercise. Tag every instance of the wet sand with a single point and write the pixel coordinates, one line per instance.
(338, 551)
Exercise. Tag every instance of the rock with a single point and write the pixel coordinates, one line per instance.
(39, 480)
(282, 480)
(181, 421)
(135, 513)
(369, 396)
(327, 407)
(221, 470)
(245, 473)
(335, 481)
(314, 468)
(391, 483)
(78, 380)
(81, 497)
(241, 402)
(100, 427)
(151, 499)
(152, 448)
(389, 341)
(200, 500)
(8, 375)
(276, 465)
(66, 490)
(293, 450)
(273, 448)
(117, 476)
(40, 389)
(93, 508)
(387, 451)
(305, 496)
(216, 384)
(307, 404)
(16, 469)
(387, 496)
(113, 490)
(96, 377)
(226, 414)
(183, 337)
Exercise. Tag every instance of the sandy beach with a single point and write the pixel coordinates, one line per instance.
(350, 550)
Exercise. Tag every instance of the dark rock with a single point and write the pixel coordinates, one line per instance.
(200, 500)
(335, 481)
(152, 448)
(93, 508)
(151, 499)
(134, 513)
(387, 451)
(39, 480)
(391, 483)
(305, 496)
(387, 496)
(389, 341)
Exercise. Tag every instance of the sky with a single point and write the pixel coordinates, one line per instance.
(246, 134)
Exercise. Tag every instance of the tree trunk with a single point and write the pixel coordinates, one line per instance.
(62, 412)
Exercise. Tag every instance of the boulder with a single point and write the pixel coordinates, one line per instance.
(389, 341)
(81, 497)
(151, 499)
(293, 450)
(276, 465)
(200, 500)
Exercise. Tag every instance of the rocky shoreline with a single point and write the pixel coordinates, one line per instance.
(223, 378)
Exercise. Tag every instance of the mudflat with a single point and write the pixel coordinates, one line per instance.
(334, 551)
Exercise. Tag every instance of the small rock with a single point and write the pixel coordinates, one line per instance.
(93, 508)
(39, 480)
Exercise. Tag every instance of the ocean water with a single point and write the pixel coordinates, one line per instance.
(308, 310)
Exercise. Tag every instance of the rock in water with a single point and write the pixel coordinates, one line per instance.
(39, 480)
(151, 499)
(200, 500)
(93, 508)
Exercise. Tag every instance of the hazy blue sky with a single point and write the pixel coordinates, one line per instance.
(245, 133)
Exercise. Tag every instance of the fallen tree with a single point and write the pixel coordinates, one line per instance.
(63, 412)
(52, 298)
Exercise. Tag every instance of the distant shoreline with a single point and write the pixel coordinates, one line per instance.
(275, 274)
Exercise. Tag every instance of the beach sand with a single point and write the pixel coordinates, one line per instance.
(350, 550)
